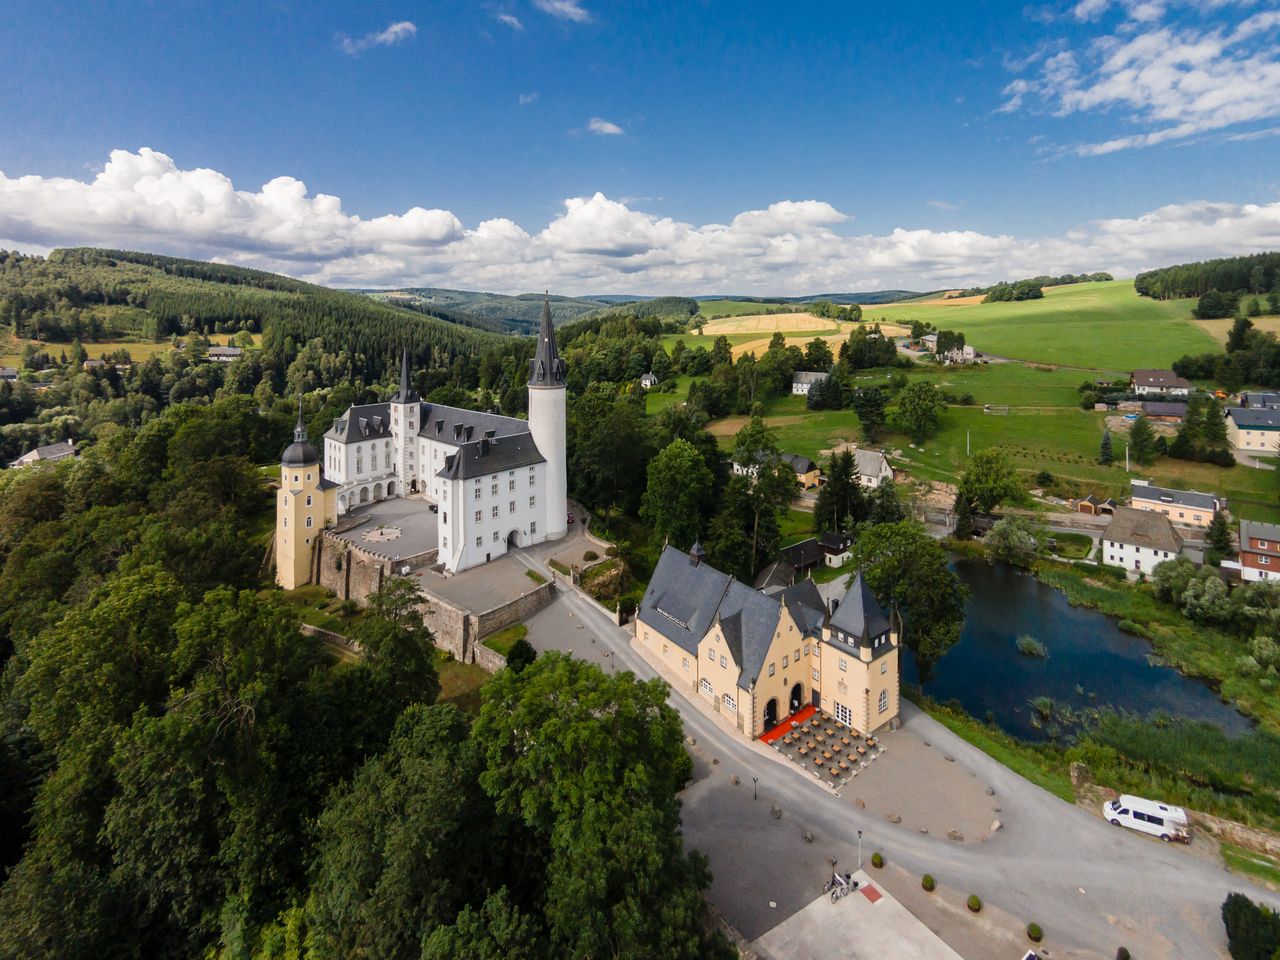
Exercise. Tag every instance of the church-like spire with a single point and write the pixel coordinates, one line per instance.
(546, 369)
(405, 394)
(300, 429)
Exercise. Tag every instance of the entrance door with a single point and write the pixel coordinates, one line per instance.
(771, 714)
(797, 698)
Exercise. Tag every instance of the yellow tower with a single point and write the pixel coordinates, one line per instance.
(304, 505)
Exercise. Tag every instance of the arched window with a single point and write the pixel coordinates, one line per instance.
(308, 500)
(884, 700)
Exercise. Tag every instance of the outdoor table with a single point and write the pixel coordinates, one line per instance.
(837, 747)
(813, 722)
(820, 738)
(835, 772)
(845, 740)
(861, 750)
(831, 731)
(826, 754)
(843, 765)
(810, 744)
(804, 752)
(871, 741)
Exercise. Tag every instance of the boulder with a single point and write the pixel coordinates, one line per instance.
(894, 818)
(996, 825)
(955, 835)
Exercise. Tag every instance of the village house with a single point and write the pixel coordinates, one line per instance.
(46, 454)
(808, 474)
(1253, 429)
(872, 468)
(1162, 382)
(1095, 506)
(1139, 540)
(1264, 401)
(1164, 411)
(93, 363)
(836, 547)
(648, 381)
(757, 659)
(225, 354)
(1182, 506)
(804, 556)
(802, 381)
(9, 374)
(1259, 550)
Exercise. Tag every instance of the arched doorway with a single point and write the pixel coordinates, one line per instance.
(391, 488)
(797, 698)
(342, 503)
(364, 494)
(771, 714)
(413, 485)
(377, 491)
(513, 539)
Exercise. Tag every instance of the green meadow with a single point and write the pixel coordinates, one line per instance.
(738, 308)
(1098, 326)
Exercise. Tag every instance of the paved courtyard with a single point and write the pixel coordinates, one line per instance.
(480, 588)
(395, 528)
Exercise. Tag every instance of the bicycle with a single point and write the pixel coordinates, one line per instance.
(840, 884)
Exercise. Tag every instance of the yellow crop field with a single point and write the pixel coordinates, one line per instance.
(1218, 329)
(768, 323)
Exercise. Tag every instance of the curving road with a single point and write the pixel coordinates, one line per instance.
(1095, 886)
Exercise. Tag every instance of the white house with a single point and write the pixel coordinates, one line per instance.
(497, 482)
(803, 380)
(872, 467)
(648, 381)
(1139, 540)
(46, 454)
(1160, 382)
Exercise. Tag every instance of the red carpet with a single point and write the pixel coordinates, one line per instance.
(871, 893)
(781, 730)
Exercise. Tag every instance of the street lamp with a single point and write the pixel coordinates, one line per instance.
(859, 849)
(755, 795)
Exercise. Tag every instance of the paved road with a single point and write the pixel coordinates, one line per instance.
(1092, 885)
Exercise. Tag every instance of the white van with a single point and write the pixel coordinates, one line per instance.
(1158, 819)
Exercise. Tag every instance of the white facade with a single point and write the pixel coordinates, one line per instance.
(802, 381)
(1133, 557)
(547, 425)
(481, 517)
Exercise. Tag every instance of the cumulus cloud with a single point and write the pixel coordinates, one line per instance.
(145, 201)
(564, 9)
(1167, 81)
(597, 125)
(526, 98)
(392, 34)
(511, 21)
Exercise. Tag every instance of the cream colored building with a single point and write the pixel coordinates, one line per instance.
(305, 504)
(1189, 507)
(1254, 430)
(756, 659)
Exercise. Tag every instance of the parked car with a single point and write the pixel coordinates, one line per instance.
(1148, 816)
(435, 508)
(571, 519)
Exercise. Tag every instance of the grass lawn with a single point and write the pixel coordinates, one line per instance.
(460, 683)
(319, 607)
(1101, 326)
(1256, 865)
(1024, 759)
(505, 639)
(657, 400)
(1072, 546)
(139, 350)
(796, 525)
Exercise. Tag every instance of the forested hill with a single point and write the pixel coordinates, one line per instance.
(1255, 274)
(496, 312)
(92, 295)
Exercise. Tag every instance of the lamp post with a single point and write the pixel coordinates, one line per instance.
(755, 793)
(859, 849)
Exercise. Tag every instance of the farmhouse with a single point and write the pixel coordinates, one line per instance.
(93, 363)
(872, 468)
(1139, 540)
(1162, 382)
(836, 547)
(807, 472)
(1259, 550)
(225, 354)
(1164, 411)
(1253, 429)
(756, 659)
(803, 380)
(648, 381)
(1184, 506)
(46, 454)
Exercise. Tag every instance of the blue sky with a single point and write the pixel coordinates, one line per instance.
(936, 144)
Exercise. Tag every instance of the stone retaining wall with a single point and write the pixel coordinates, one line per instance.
(1251, 838)
(488, 659)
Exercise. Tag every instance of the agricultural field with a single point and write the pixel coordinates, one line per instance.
(139, 350)
(734, 308)
(759, 323)
(1091, 326)
(1218, 329)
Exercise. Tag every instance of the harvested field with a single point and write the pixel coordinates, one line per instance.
(768, 323)
(1218, 329)
(760, 346)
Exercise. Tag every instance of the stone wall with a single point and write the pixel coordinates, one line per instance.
(448, 623)
(516, 610)
(350, 572)
(1259, 841)
(491, 661)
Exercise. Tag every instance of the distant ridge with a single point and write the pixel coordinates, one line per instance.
(871, 297)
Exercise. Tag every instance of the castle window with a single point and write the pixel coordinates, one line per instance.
(511, 507)
(494, 489)
(308, 521)
(286, 523)
(796, 655)
(815, 675)
(479, 541)
(478, 515)
(711, 655)
(786, 661)
(446, 516)
(884, 667)
(286, 499)
(772, 669)
(705, 686)
(444, 493)
(477, 491)
(495, 536)
(723, 663)
(532, 502)
(295, 478)
(495, 511)
(844, 664)
(730, 703)
(884, 700)
(511, 486)
(308, 478)
(684, 662)
(532, 476)
(308, 500)
(533, 528)
(446, 543)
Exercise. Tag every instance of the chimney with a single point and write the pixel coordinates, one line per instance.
(484, 446)
(696, 554)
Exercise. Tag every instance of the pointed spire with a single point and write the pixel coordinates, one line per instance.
(546, 369)
(405, 394)
(300, 429)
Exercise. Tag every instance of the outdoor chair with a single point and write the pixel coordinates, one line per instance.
(804, 752)
(861, 750)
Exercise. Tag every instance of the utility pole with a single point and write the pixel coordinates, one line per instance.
(859, 849)
(1126, 458)
(966, 444)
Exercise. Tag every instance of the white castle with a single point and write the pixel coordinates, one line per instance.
(497, 482)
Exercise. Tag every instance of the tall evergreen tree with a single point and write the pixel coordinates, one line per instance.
(1218, 537)
(1142, 441)
(1105, 455)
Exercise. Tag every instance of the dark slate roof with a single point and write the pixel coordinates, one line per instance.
(327, 484)
(372, 421)
(225, 351)
(806, 553)
(1255, 418)
(1255, 529)
(834, 542)
(859, 615)
(756, 619)
(1246, 399)
(1164, 408)
(300, 453)
(485, 456)
(806, 606)
(806, 376)
(682, 599)
(775, 577)
(406, 393)
(1187, 498)
(798, 463)
(546, 369)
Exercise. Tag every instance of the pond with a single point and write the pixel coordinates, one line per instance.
(1091, 662)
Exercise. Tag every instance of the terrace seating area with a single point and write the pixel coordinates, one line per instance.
(831, 752)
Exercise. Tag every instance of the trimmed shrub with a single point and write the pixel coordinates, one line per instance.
(1253, 931)
(974, 903)
(877, 860)
(1034, 933)
(927, 882)
(1122, 953)
(589, 556)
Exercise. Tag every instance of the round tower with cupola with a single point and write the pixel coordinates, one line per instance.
(304, 505)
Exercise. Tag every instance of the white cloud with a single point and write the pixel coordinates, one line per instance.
(526, 98)
(511, 21)
(596, 125)
(145, 201)
(1089, 9)
(1165, 81)
(942, 205)
(564, 9)
(392, 34)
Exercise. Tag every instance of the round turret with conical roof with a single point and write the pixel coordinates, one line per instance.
(300, 453)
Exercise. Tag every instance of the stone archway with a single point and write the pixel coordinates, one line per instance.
(413, 485)
(796, 699)
(771, 714)
(364, 494)
(513, 539)
(377, 491)
(342, 503)
(391, 488)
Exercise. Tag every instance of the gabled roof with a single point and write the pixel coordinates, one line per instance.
(859, 616)
(799, 464)
(1186, 498)
(1159, 378)
(808, 376)
(1143, 528)
(50, 451)
(1256, 418)
(871, 463)
(835, 542)
(485, 456)
(1252, 529)
(806, 553)
(753, 618)
(372, 421)
(1164, 408)
(682, 599)
(775, 577)
(806, 606)
(1260, 399)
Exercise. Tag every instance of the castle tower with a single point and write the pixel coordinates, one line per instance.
(547, 422)
(405, 410)
(304, 504)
